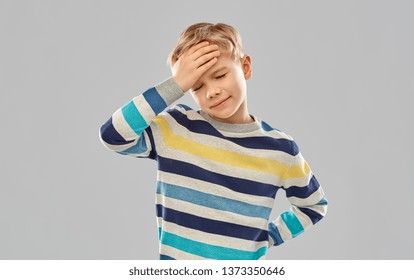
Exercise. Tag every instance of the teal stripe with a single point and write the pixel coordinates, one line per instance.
(208, 251)
(293, 223)
(134, 118)
(213, 201)
(323, 201)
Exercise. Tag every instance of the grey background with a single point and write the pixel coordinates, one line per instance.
(336, 75)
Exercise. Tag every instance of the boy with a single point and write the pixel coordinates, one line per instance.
(219, 168)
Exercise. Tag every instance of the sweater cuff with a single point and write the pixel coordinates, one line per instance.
(169, 90)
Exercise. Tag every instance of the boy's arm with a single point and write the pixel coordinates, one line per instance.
(308, 202)
(128, 130)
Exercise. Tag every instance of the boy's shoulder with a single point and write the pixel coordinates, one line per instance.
(264, 135)
(185, 111)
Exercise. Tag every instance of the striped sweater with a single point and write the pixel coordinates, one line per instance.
(216, 182)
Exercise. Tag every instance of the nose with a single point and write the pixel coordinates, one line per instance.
(213, 92)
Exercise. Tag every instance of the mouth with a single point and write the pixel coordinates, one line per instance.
(220, 102)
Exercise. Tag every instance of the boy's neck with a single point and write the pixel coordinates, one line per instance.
(250, 126)
(245, 119)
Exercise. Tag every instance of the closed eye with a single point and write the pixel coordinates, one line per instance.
(221, 76)
(198, 88)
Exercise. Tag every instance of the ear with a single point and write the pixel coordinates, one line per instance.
(246, 63)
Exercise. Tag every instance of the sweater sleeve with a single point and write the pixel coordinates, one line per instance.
(128, 130)
(307, 199)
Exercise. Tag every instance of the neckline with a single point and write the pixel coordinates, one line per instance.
(240, 128)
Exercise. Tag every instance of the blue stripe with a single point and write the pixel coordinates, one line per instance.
(305, 191)
(209, 251)
(134, 118)
(295, 148)
(187, 108)
(165, 257)
(211, 226)
(213, 201)
(313, 216)
(139, 148)
(153, 152)
(293, 223)
(155, 100)
(110, 135)
(257, 142)
(275, 234)
(267, 127)
(235, 184)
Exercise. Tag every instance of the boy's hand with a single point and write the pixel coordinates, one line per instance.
(193, 63)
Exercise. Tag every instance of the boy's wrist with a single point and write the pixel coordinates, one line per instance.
(169, 90)
(181, 84)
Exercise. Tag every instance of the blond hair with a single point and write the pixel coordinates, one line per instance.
(221, 34)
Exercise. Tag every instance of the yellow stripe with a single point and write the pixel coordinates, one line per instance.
(230, 158)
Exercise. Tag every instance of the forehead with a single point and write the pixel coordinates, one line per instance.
(224, 60)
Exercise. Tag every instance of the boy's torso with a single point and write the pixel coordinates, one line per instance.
(216, 185)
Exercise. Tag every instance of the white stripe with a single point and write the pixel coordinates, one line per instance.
(284, 231)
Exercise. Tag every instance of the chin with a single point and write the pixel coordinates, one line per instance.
(221, 117)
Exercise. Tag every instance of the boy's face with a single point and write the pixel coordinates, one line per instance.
(221, 90)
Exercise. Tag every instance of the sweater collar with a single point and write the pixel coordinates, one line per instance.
(241, 128)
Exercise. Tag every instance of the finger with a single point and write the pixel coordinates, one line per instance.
(198, 46)
(204, 50)
(206, 57)
(203, 68)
